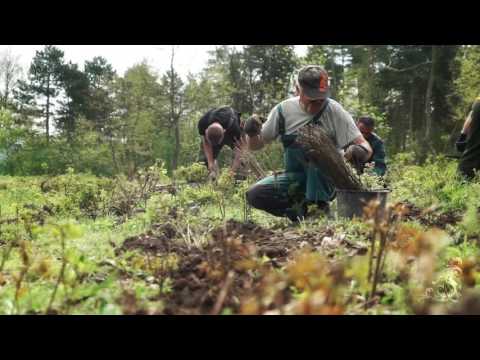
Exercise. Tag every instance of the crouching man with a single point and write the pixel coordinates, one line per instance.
(219, 127)
(289, 194)
(358, 158)
(469, 143)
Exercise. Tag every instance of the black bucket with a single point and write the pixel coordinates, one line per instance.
(350, 203)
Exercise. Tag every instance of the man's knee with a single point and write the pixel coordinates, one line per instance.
(259, 196)
(253, 195)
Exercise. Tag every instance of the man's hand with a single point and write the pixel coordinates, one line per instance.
(253, 126)
(360, 141)
(355, 152)
(241, 147)
(212, 176)
(213, 171)
(357, 155)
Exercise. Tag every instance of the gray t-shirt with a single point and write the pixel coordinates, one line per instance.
(335, 121)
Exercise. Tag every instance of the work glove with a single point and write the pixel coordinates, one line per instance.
(461, 143)
(253, 126)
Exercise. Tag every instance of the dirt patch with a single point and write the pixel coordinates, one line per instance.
(431, 218)
(158, 240)
(228, 267)
(276, 244)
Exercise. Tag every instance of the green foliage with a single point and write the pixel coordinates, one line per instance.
(269, 68)
(195, 173)
(447, 285)
(468, 81)
(197, 196)
(358, 109)
(78, 195)
(45, 76)
(12, 138)
(471, 219)
(131, 120)
(89, 275)
(403, 159)
(270, 158)
(130, 195)
(371, 181)
(43, 272)
(434, 183)
(395, 296)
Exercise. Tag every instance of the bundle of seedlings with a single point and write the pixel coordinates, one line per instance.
(324, 154)
(250, 162)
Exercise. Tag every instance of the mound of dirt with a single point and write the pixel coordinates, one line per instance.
(220, 273)
(157, 240)
(276, 244)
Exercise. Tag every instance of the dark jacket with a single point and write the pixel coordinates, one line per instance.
(378, 154)
(470, 159)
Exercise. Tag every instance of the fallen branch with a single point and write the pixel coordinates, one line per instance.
(223, 293)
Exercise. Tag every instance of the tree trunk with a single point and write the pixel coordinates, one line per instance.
(173, 118)
(7, 89)
(334, 88)
(370, 83)
(411, 130)
(47, 119)
(251, 92)
(428, 96)
(176, 154)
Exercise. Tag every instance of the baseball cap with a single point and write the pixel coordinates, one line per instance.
(313, 79)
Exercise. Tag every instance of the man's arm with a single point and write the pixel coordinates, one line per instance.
(468, 124)
(208, 150)
(360, 140)
(238, 153)
(253, 130)
(258, 130)
(461, 142)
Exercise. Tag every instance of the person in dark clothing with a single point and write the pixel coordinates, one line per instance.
(218, 127)
(469, 143)
(366, 125)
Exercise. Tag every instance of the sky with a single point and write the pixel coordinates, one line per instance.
(188, 58)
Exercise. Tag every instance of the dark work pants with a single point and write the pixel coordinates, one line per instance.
(287, 194)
